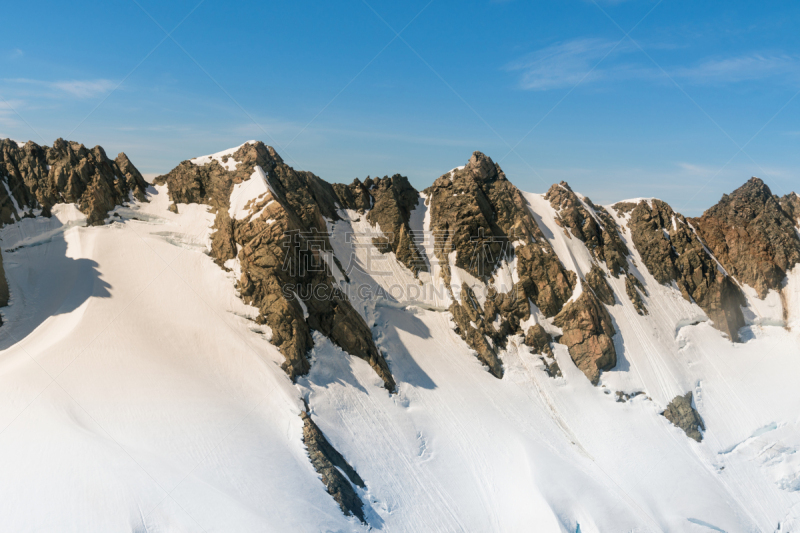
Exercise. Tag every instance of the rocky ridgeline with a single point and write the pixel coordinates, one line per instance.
(592, 225)
(752, 234)
(38, 177)
(596, 228)
(672, 252)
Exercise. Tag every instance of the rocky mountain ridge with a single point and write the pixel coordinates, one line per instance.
(273, 229)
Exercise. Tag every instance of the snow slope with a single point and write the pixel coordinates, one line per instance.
(137, 395)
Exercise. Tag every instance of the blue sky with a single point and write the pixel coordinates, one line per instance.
(679, 100)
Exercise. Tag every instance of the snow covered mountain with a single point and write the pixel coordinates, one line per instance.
(242, 346)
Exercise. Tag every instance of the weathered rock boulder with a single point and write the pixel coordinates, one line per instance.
(683, 415)
(588, 329)
(539, 340)
(752, 235)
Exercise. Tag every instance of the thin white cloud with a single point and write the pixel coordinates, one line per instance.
(85, 88)
(74, 88)
(565, 64)
(748, 67)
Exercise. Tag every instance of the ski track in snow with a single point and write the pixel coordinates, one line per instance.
(169, 410)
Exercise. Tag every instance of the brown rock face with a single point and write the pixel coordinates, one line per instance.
(681, 413)
(672, 252)
(592, 225)
(282, 257)
(751, 234)
(478, 214)
(330, 464)
(588, 330)
(67, 172)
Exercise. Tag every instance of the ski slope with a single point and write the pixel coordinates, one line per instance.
(139, 395)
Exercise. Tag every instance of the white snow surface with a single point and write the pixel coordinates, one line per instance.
(249, 192)
(228, 163)
(139, 395)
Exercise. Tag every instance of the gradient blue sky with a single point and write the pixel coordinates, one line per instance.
(696, 99)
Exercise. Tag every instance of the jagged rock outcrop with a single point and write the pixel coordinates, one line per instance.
(394, 199)
(588, 329)
(282, 242)
(480, 220)
(681, 413)
(474, 329)
(791, 206)
(539, 341)
(38, 177)
(333, 468)
(591, 224)
(634, 289)
(5, 294)
(752, 235)
(477, 213)
(672, 252)
(596, 279)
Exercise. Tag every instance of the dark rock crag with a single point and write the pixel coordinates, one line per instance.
(478, 214)
(333, 468)
(672, 252)
(752, 234)
(681, 413)
(282, 248)
(588, 329)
